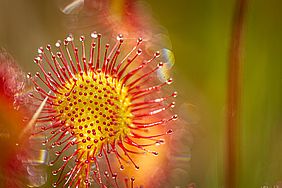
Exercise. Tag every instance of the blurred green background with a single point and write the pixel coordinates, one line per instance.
(200, 34)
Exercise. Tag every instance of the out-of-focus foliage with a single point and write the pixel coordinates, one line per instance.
(199, 31)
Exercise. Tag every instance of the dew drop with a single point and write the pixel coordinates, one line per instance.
(169, 131)
(28, 75)
(139, 51)
(66, 42)
(40, 50)
(48, 47)
(86, 182)
(139, 40)
(55, 172)
(114, 175)
(157, 54)
(94, 35)
(120, 37)
(36, 60)
(121, 167)
(159, 142)
(58, 44)
(155, 153)
(160, 64)
(81, 39)
(174, 94)
(59, 54)
(106, 173)
(175, 117)
(169, 81)
(68, 39)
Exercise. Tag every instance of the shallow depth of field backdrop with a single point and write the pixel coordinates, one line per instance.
(200, 34)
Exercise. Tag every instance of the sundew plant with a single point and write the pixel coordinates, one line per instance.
(101, 103)
(139, 93)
